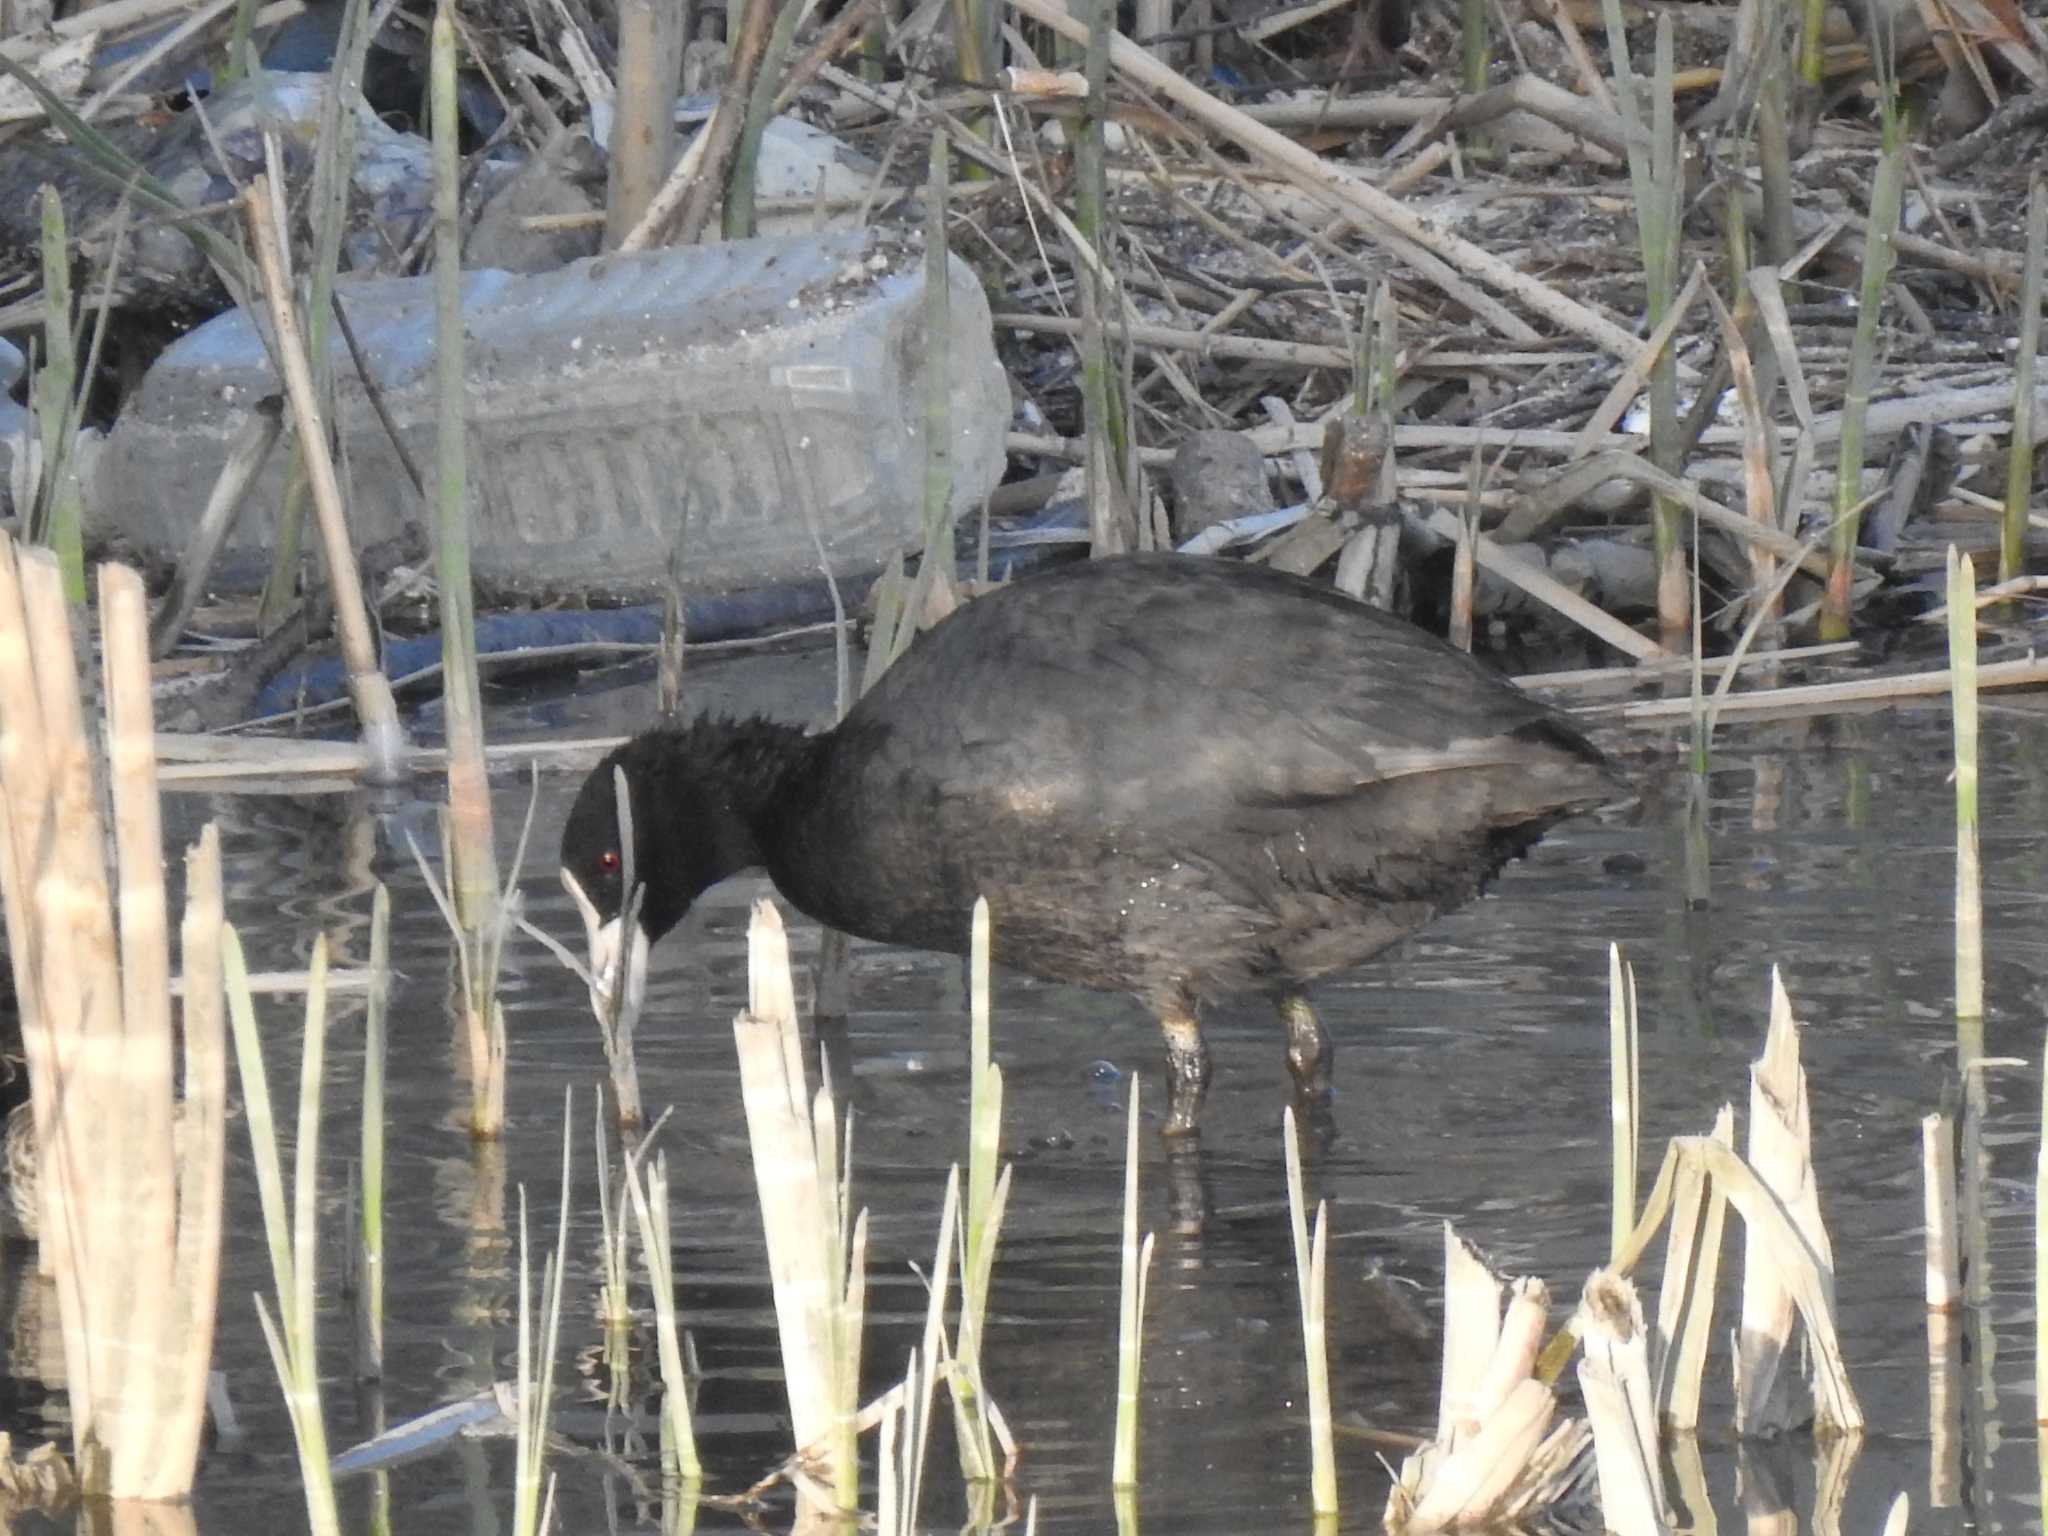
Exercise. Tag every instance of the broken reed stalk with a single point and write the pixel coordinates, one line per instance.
(1625, 1093)
(473, 865)
(651, 1220)
(370, 1255)
(1686, 1292)
(376, 710)
(1962, 648)
(292, 1236)
(1614, 1380)
(58, 512)
(987, 1195)
(130, 1224)
(643, 117)
(1310, 1262)
(2019, 467)
(531, 1502)
(1498, 1458)
(1885, 194)
(1130, 1328)
(817, 1268)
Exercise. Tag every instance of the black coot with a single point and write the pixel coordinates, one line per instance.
(1172, 777)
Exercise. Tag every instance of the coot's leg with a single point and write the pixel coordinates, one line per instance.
(1309, 1052)
(1187, 1070)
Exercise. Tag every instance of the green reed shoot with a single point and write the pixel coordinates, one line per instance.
(2019, 467)
(1130, 1333)
(473, 867)
(1886, 192)
(56, 515)
(1310, 1271)
(651, 1220)
(294, 1257)
(538, 1336)
(987, 1195)
(1657, 187)
(614, 1311)
(736, 220)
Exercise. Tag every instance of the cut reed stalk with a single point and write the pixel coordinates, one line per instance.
(1625, 1092)
(1938, 1194)
(292, 1236)
(2019, 466)
(1310, 1260)
(370, 1255)
(1130, 1333)
(1962, 648)
(130, 1226)
(1614, 1379)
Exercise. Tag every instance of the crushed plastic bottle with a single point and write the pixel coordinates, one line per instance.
(774, 388)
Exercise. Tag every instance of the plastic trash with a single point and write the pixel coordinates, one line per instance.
(764, 400)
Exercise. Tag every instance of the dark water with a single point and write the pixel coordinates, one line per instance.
(1471, 1087)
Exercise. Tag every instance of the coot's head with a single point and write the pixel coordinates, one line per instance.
(667, 866)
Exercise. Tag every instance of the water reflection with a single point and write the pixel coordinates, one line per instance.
(1470, 1085)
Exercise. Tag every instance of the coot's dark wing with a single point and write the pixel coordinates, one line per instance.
(1133, 685)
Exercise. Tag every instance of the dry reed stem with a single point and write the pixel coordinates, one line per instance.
(135, 1275)
(377, 711)
(1385, 218)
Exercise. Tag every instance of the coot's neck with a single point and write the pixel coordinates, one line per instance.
(717, 789)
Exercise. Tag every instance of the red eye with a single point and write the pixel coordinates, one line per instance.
(608, 861)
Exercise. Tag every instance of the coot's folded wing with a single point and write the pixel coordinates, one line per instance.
(1139, 684)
